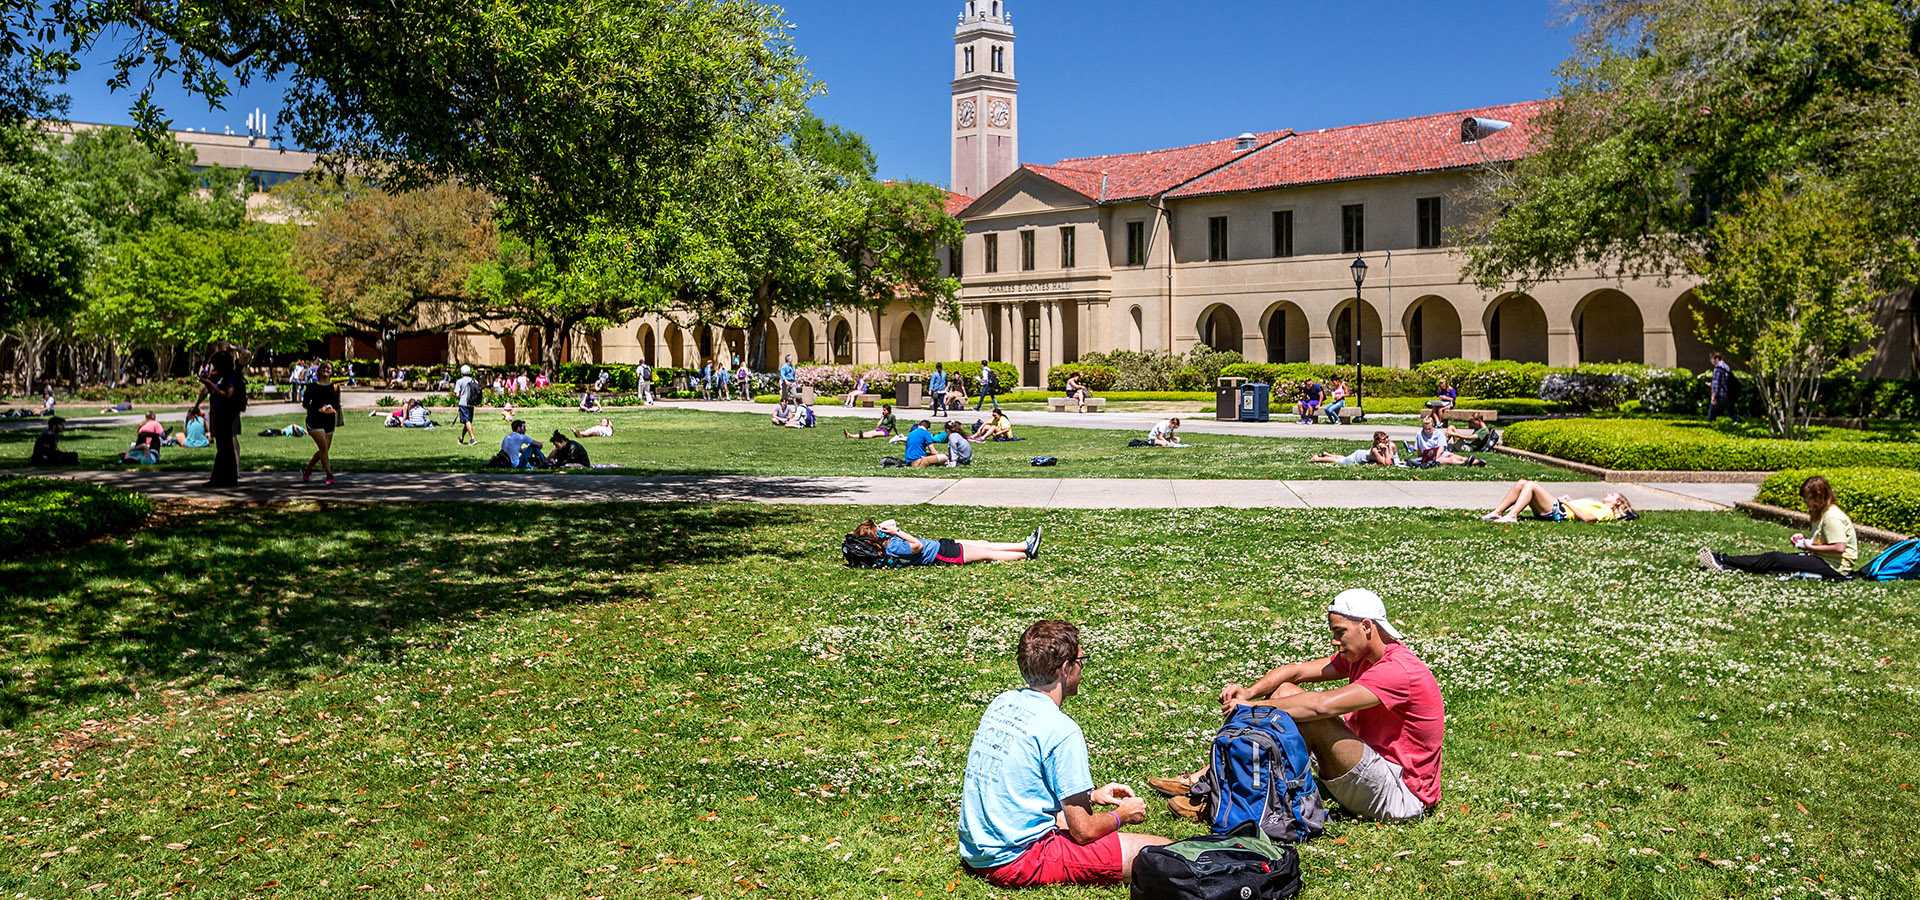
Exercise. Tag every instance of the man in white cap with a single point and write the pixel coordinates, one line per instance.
(466, 393)
(1376, 740)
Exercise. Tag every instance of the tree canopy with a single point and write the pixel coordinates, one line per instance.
(46, 238)
(175, 285)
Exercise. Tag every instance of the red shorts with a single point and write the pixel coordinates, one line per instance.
(1056, 859)
(950, 553)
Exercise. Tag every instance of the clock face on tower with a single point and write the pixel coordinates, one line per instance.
(966, 117)
(999, 113)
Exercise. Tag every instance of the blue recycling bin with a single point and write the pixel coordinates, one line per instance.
(1253, 401)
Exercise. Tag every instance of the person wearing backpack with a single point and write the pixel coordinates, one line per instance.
(1027, 801)
(1376, 741)
(989, 391)
(1830, 553)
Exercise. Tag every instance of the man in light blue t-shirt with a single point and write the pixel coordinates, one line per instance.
(1026, 805)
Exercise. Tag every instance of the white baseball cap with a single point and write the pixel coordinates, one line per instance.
(1360, 603)
(466, 370)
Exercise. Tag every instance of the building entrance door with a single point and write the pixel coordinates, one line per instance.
(1030, 358)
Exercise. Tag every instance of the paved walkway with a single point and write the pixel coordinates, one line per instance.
(1022, 493)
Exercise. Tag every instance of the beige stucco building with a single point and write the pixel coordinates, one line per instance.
(1243, 243)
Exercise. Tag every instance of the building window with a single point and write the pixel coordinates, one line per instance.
(1136, 243)
(1066, 247)
(1026, 251)
(1353, 228)
(993, 253)
(1428, 215)
(956, 261)
(1216, 238)
(1283, 233)
(999, 59)
(968, 55)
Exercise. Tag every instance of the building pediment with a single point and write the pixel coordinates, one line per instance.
(1023, 193)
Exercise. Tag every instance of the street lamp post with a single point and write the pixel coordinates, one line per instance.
(1359, 268)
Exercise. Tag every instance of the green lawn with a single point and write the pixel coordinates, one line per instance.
(680, 442)
(631, 700)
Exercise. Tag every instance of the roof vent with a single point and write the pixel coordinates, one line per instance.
(1244, 142)
(1474, 128)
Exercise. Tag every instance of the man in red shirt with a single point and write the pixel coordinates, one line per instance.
(1375, 741)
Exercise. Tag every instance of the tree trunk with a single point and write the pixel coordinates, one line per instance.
(757, 324)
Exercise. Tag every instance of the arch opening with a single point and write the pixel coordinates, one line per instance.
(801, 333)
(910, 344)
(842, 343)
(1433, 330)
(1136, 332)
(1285, 328)
(1219, 328)
(1607, 328)
(1517, 329)
(1341, 323)
(645, 339)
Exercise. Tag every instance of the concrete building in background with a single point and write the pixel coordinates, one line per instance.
(1242, 243)
(266, 165)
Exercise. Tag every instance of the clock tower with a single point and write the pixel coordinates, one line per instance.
(986, 110)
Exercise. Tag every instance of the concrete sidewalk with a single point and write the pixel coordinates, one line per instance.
(1012, 493)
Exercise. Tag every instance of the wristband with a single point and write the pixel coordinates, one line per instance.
(1116, 820)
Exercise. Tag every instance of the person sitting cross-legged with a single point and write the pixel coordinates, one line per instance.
(997, 427)
(1165, 433)
(1027, 815)
(46, 446)
(919, 452)
(567, 452)
(518, 451)
(1376, 741)
(885, 428)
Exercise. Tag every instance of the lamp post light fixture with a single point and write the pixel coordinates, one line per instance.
(1359, 269)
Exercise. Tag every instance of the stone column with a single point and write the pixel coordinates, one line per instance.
(1049, 330)
(1096, 327)
(1012, 348)
(1474, 346)
(1659, 348)
(1320, 350)
(1562, 348)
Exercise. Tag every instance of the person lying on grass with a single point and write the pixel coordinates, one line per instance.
(1382, 452)
(1027, 801)
(1430, 447)
(604, 429)
(1376, 741)
(903, 547)
(884, 429)
(1830, 553)
(1165, 433)
(1614, 507)
(997, 427)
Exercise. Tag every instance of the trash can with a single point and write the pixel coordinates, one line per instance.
(806, 395)
(1226, 397)
(907, 393)
(1253, 402)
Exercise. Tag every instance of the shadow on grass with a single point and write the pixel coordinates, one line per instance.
(261, 598)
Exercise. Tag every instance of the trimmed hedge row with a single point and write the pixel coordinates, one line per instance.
(1506, 406)
(1881, 497)
(1630, 444)
(42, 514)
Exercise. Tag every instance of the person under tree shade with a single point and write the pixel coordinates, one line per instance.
(224, 389)
(322, 403)
(46, 446)
(1829, 553)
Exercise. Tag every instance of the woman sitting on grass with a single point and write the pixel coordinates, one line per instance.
(1614, 507)
(904, 548)
(885, 429)
(997, 428)
(1830, 553)
(195, 433)
(1382, 452)
(46, 446)
(589, 402)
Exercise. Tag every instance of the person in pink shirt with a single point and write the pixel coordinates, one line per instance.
(1376, 740)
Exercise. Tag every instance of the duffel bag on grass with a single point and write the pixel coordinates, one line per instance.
(1899, 562)
(1246, 865)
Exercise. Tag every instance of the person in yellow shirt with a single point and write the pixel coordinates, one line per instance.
(1614, 507)
(1830, 552)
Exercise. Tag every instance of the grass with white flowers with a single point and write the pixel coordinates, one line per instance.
(671, 702)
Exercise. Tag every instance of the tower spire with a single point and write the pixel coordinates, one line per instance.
(986, 113)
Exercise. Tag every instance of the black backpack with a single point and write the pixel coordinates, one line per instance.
(864, 553)
(1244, 865)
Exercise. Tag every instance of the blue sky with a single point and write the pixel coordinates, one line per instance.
(1108, 77)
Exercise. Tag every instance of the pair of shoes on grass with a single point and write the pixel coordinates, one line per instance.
(1709, 561)
(1177, 791)
(1033, 543)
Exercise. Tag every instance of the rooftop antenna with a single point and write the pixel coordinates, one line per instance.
(256, 124)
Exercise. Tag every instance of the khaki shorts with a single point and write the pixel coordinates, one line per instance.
(1373, 790)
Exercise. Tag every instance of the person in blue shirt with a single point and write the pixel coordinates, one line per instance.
(906, 549)
(919, 452)
(937, 386)
(1720, 388)
(522, 452)
(1027, 814)
(789, 378)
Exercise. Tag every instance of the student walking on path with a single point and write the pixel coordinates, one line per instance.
(322, 402)
(937, 386)
(1720, 388)
(989, 389)
(466, 393)
(224, 389)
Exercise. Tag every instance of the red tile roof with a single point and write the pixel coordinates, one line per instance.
(1429, 143)
(957, 202)
(1131, 176)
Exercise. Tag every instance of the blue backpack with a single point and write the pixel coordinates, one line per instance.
(1898, 562)
(1260, 773)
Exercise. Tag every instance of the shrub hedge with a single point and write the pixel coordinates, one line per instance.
(1629, 444)
(1094, 376)
(1506, 406)
(1881, 497)
(41, 514)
